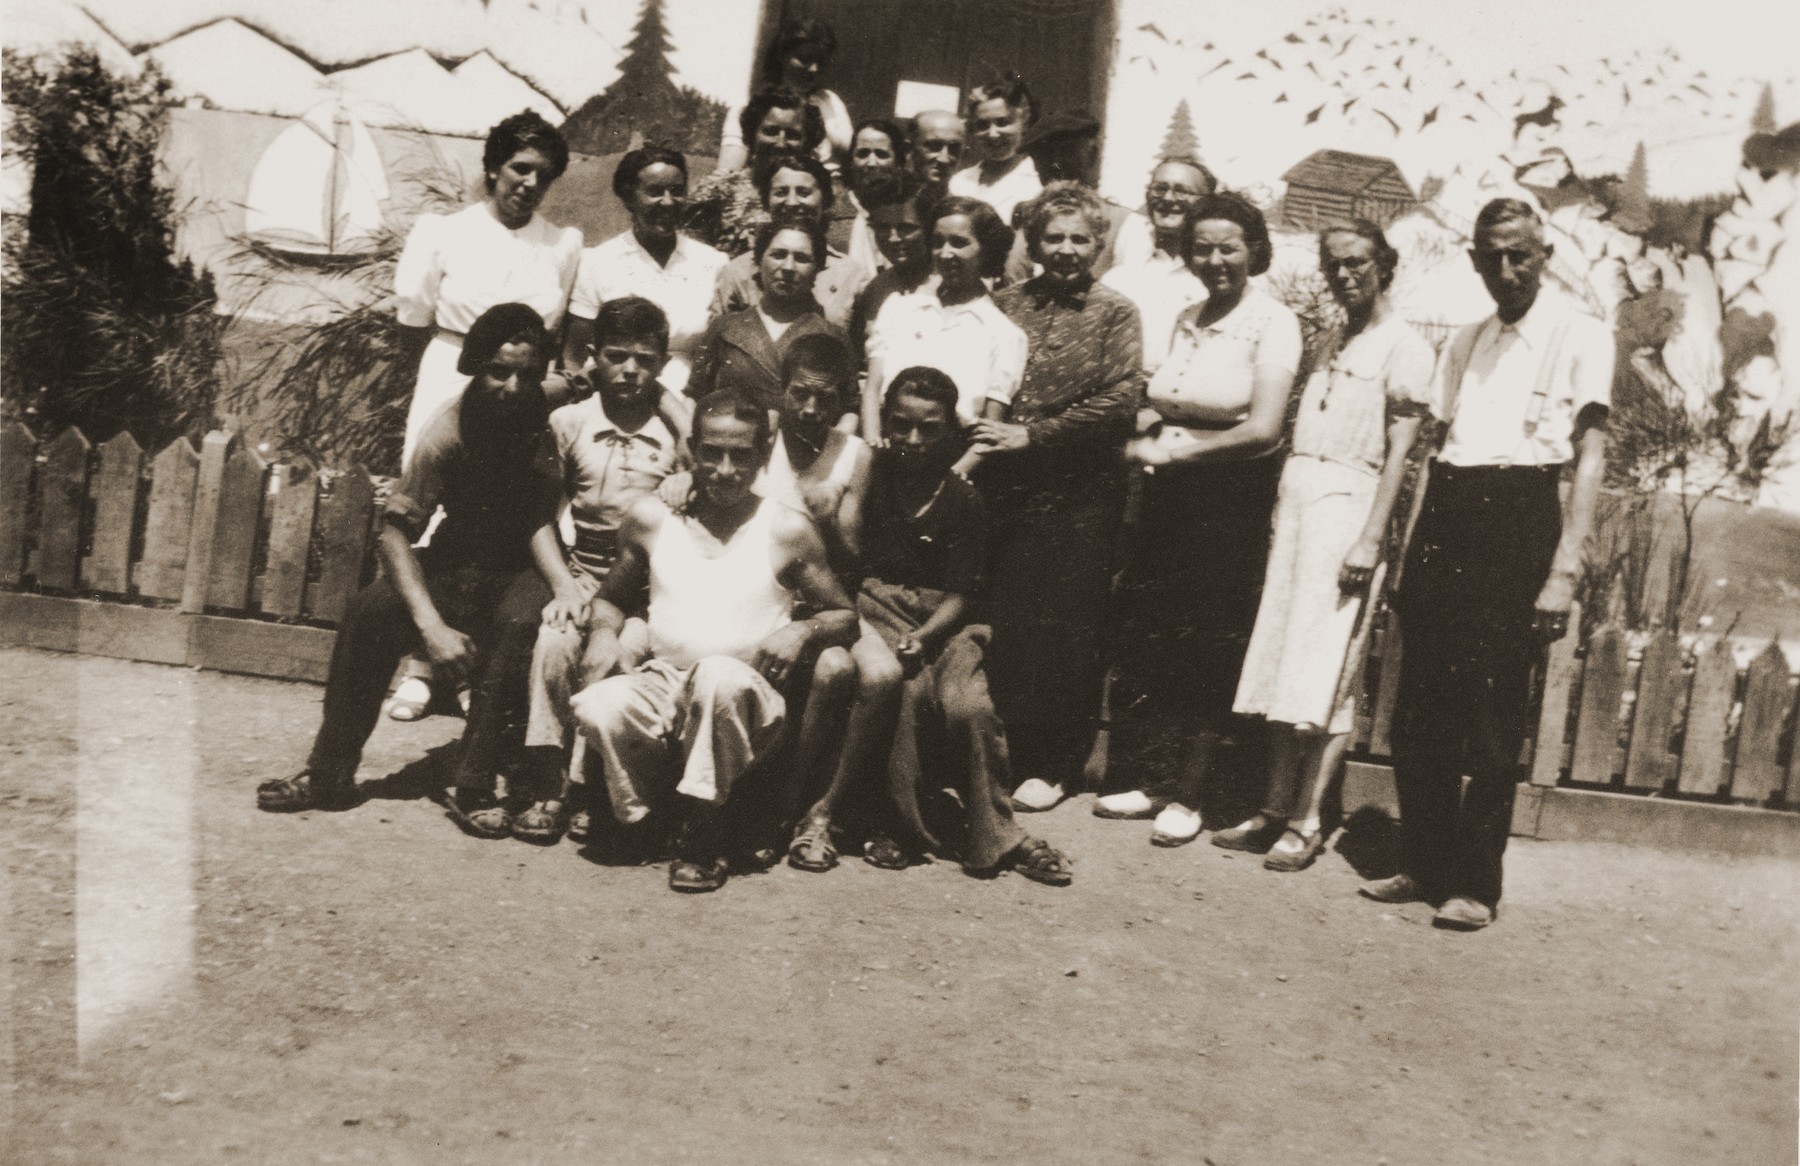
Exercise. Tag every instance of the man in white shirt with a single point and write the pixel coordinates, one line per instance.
(1491, 569)
(680, 730)
(1147, 266)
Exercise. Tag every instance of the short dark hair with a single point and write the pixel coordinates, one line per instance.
(766, 233)
(1505, 210)
(927, 384)
(812, 122)
(1008, 87)
(822, 353)
(635, 162)
(901, 141)
(994, 236)
(763, 176)
(524, 130)
(1064, 197)
(628, 317)
(909, 189)
(797, 32)
(1231, 208)
(497, 327)
(1386, 258)
(739, 407)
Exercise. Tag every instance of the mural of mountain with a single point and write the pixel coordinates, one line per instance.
(646, 101)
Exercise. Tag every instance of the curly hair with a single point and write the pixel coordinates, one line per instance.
(1065, 197)
(812, 122)
(763, 176)
(1386, 258)
(991, 232)
(896, 136)
(1224, 206)
(524, 130)
(634, 163)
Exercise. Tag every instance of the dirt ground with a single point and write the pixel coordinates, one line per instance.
(191, 981)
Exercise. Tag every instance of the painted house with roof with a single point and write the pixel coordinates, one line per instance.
(1336, 184)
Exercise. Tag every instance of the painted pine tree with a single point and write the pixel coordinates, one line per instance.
(646, 100)
(1632, 212)
(1180, 141)
(1762, 120)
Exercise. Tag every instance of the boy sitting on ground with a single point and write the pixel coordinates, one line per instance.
(925, 543)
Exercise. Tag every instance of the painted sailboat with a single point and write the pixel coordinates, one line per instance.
(317, 190)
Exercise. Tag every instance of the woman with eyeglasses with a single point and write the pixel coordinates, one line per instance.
(1359, 413)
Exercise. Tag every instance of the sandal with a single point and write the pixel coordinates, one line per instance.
(409, 701)
(478, 812)
(695, 878)
(884, 852)
(811, 849)
(1297, 855)
(580, 829)
(539, 823)
(305, 790)
(1040, 862)
(1255, 834)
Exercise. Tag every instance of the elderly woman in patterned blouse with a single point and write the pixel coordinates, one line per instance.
(1054, 479)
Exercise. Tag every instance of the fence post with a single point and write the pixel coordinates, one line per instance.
(1756, 776)
(1597, 721)
(1650, 765)
(1560, 669)
(115, 492)
(62, 495)
(290, 538)
(208, 494)
(1703, 742)
(343, 524)
(171, 518)
(241, 500)
(18, 453)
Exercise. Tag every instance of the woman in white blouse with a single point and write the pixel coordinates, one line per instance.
(998, 116)
(455, 267)
(951, 323)
(1358, 416)
(795, 60)
(1189, 596)
(652, 259)
(500, 250)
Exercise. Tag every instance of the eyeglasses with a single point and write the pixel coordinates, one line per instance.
(1169, 190)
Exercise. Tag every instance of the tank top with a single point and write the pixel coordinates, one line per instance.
(713, 605)
(781, 482)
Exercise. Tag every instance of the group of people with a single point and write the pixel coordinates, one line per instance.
(832, 503)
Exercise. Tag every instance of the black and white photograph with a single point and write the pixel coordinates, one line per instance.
(899, 582)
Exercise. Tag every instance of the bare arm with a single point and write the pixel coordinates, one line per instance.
(1578, 522)
(450, 650)
(804, 570)
(1255, 435)
(413, 342)
(850, 506)
(577, 342)
(873, 384)
(569, 592)
(1360, 562)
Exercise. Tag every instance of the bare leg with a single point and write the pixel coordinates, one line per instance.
(823, 726)
(1330, 761)
(871, 722)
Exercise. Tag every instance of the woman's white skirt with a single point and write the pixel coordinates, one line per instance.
(1305, 623)
(439, 384)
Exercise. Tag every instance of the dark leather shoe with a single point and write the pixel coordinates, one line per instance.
(305, 790)
(1461, 913)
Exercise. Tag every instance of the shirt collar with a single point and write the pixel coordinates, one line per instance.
(1539, 320)
(1043, 290)
(605, 428)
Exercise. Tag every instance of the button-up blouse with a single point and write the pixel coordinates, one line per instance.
(1210, 372)
(1383, 372)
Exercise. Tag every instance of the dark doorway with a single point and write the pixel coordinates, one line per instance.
(1063, 48)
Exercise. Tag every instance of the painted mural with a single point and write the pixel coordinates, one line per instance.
(1668, 173)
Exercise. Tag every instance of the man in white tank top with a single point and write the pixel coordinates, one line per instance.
(722, 577)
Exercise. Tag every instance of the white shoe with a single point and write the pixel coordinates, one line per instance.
(1035, 794)
(1175, 826)
(1132, 804)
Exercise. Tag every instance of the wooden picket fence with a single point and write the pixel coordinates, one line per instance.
(1636, 713)
(220, 560)
(213, 558)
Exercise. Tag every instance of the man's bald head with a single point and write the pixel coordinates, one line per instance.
(937, 150)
